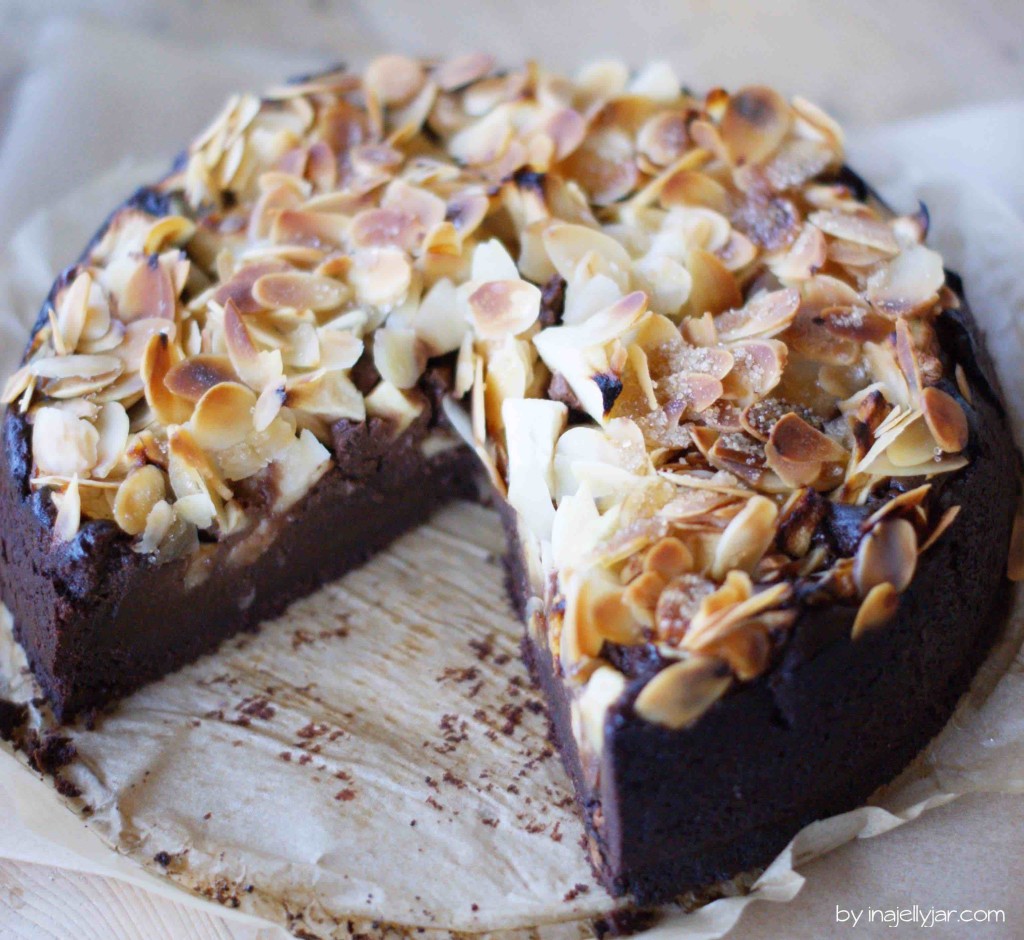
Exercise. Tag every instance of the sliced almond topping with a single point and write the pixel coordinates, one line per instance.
(192, 378)
(394, 79)
(888, 553)
(141, 490)
(755, 122)
(714, 287)
(380, 276)
(399, 356)
(877, 608)
(167, 232)
(678, 695)
(112, 426)
(299, 290)
(459, 71)
(746, 538)
(945, 419)
(668, 558)
(908, 283)
(948, 518)
(149, 293)
(62, 444)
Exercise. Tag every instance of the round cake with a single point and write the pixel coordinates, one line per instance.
(751, 457)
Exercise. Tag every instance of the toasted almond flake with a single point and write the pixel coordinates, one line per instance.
(394, 79)
(223, 416)
(714, 287)
(878, 607)
(62, 444)
(668, 558)
(141, 490)
(148, 294)
(80, 367)
(299, 467)
(459, 71)
(503, 308)
(380, 276)
(888, 553)
(765, 315)
(945, 419)
(73, 311)
(907, 283)
(112, 426)
(17, 384)
(746, 538)
(69, 515)
(158, 359)
(693, 188)
(795, 439)
(678, 695)
(299, 290)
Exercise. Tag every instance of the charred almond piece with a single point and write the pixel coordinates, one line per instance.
(141, 490)
(192, 378)
(170, 231)
(299, 290)
(223, 416)
(112, 427)
(678, 695)
(746, 538)
(160, 356)
(62, 444)
(693, 188)
(755, 122)
(877, 608)
(888, 553)
(503, 308)
(945, 419)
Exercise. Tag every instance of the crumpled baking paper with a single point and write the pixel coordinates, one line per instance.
(376, 760)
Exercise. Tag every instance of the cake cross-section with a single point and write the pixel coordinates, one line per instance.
(756, 476)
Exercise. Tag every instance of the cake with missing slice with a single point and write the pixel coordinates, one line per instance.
(756, 476)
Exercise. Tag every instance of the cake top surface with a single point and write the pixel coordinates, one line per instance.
(677, 333)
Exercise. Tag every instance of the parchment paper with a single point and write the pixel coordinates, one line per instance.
(398, 697)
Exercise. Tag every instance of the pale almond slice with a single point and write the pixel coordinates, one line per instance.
(755, 122)
(73, 312)
(908, 283)
(459, 71)
(112, 426)
(503, 308)
(945, 419)
(299, 290)
(380, 276)
(860, 228)
(746, 538)
(393, 79)
(78, 366)
(681, 693)
(148, 294)
(764, 316)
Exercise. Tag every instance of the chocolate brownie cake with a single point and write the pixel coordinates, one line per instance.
(755, 472)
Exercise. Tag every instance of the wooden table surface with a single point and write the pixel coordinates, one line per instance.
(867, 61)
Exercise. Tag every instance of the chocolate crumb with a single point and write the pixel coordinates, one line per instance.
(345, 795)
(575, 891)
(162, 858)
